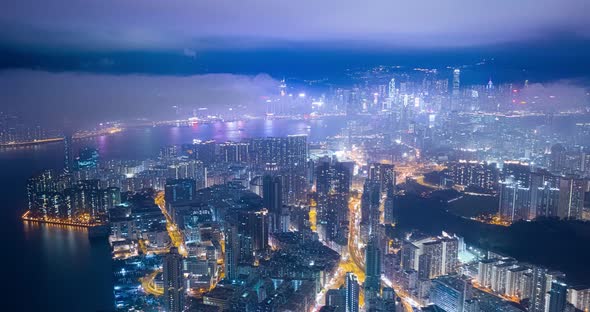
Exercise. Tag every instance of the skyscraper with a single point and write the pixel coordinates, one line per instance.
(333, 181)
(450, 254)
(288, 158)
(370, 206)
(557, 160)
(514, 200)
(372, 268)
(557, 297)
(456, 81)
(518, 171)
(297, 153)
(384, 174)
(431, 259)
(254, 224)
(448, 292)
(539, 288)
(287, 153)
(177, 190)
(571, 197)
(67, 153)
(336, 298)
(468, 173)
(455, 95)
(232, 252)
(173, 281)
(272, 197)
(389, 210)
(392, 91)
(544, 201)
(234, 152)
(352, 292)
(204, 151)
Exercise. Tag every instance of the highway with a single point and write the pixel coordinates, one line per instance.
(149, 286)
(177, 238)
(173, 231)
(356, 252)
(78, 135)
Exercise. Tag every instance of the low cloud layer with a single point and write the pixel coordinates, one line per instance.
(55, 98)
(555, 96)
(181, 24)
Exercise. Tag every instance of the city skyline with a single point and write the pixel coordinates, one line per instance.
(272, 156)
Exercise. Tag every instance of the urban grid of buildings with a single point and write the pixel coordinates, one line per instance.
(286, 224)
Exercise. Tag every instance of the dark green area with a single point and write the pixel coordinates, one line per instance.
(558, 245)
(472, 206)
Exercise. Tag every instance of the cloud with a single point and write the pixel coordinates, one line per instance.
(52, 98)
(190, 53)
(180, 24)
(555, 96)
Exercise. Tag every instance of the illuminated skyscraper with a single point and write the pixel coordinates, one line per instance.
(272, 196)
(234, 152)
(283, 88)
(384, 174)
(392, 91)
(287, 156)
(254, 224)
(333, 182)
(514, 200)
(456, 81)
(370, 206)
(177, 190)
(173, 281)
(539, 289)
(571, 197)
(389, 210)
(468, 173)
(448, 292)
(352, 292)
(204, 151)
(544, 200)
(67, 153)
(296, 158)
(519, 171)
(558, 158)
(372, 267)
(232, 252)
(557, 297)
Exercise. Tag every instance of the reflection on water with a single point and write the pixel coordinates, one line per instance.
(31, 226)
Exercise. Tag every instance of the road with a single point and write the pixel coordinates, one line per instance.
(149, 286)
(356, 252)
(173, 231)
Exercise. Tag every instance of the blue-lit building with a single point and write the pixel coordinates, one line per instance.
(557, 297)
(448, 293)
(178, 190)
(173, 282)
(352, 292)
(87, 158)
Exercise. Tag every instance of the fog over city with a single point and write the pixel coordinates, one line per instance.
(52, 98)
